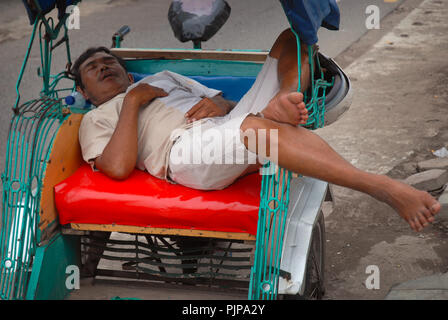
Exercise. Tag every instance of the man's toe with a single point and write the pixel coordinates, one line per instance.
(422, 219)
(428, 215)
(435, 208)
(295, 97)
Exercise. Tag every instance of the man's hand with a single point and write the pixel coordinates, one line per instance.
(209, 107)
(144, 93)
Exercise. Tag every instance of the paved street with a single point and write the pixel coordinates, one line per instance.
(398, 114)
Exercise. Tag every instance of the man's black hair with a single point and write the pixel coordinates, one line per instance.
(74, 71)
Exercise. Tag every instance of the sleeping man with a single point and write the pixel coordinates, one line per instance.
(168, 125)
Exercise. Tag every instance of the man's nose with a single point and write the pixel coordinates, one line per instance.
(103, 67)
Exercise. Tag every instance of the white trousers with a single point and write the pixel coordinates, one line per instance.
(211, 156)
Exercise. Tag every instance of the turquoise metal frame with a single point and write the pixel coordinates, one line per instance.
(48, 33)
(31, 135)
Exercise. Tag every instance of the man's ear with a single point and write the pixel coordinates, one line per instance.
(131, 78)
(84, 94)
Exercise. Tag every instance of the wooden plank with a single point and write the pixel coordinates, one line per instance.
(254, 56)
(163, 231)
(65, 158)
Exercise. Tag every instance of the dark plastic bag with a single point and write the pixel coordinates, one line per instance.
(197, 20)
(46, 6)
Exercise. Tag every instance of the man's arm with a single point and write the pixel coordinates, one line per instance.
(119, 157)
(224, 104)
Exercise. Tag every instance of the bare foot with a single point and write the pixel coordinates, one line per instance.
(287, 107)
(417, 207)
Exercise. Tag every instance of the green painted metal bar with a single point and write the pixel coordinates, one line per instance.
(197, 45)
(31, 135)
(203, 67)
(24, 63)
(117, 42)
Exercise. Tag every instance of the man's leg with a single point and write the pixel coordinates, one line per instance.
(303, 152)
(283, 108)
(280, 69)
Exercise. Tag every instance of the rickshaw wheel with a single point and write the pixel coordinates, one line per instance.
(315, 265)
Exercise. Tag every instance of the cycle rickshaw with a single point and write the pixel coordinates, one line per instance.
(264, 235)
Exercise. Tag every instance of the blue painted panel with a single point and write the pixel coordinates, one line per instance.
(233, 78)
(233, 88)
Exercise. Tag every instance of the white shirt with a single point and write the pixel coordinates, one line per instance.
(183, 92)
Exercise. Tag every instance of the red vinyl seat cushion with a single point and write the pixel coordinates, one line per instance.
(142, 200)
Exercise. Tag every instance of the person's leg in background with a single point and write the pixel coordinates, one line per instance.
(279, 69)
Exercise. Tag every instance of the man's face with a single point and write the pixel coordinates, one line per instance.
(103, 78)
